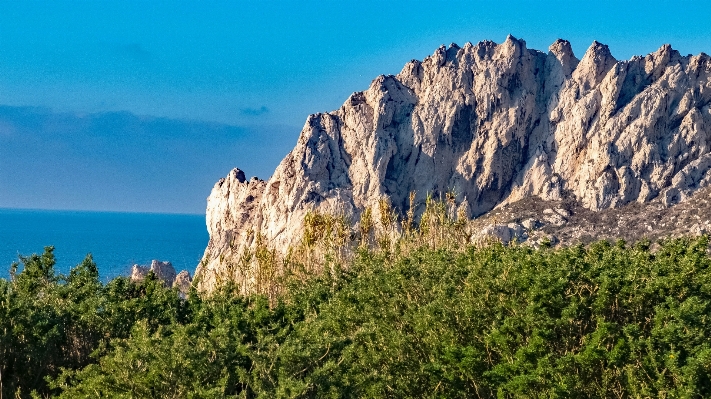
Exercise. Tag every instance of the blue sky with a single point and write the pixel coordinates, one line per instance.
(104, 102)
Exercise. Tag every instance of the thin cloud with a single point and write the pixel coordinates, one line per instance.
(54, 159)
(254, 111)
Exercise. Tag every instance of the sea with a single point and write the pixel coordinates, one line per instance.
(116, 240)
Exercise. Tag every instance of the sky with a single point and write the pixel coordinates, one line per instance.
(142, 106)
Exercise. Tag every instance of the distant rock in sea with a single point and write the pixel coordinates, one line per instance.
(165, 272)
(138, 273)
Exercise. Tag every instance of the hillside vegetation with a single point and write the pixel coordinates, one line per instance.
(606, 320)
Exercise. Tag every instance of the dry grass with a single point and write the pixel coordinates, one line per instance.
(330, 242)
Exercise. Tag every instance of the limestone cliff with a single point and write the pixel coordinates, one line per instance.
(495, 123)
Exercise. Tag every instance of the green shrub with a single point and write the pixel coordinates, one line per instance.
(606, 320)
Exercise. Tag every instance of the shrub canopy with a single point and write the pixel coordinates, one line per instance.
(599, 321)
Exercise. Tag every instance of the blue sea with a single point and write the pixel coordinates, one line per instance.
(117, 241)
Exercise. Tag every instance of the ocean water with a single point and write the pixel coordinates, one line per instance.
(117, 241)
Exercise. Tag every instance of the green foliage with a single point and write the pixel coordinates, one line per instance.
(607, 320)
(33, 316)
(50, 322)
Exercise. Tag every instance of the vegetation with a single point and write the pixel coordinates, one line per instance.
(426, 319)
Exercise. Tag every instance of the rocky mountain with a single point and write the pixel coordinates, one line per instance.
(494, 124)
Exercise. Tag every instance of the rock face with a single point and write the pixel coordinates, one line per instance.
(494, 123)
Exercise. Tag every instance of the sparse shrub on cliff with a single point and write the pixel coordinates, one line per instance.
(332, 241)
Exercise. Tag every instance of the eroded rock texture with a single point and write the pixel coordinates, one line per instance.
(495, 123)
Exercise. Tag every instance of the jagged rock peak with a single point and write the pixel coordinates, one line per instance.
(497, 123)
(444, 54)
(598, 54)
(594, 65)
(665, 55)
(511, 47)
(511, 40)
(562, 50)
(237, 174)
(665, 48)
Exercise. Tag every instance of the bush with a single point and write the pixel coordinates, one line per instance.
(606, 320)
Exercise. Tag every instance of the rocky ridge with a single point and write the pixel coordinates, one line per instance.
(495, 124)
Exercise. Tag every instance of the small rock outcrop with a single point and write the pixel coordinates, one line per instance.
(495, 124)
(138, 273)
(165, 272)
